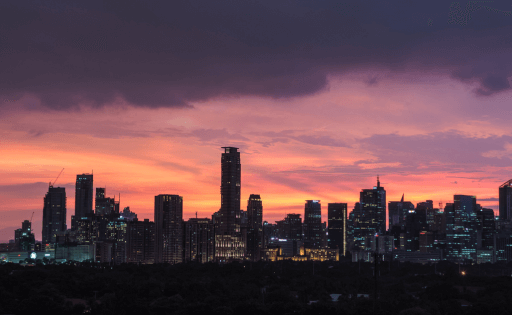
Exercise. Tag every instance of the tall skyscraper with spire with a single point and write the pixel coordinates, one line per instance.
(229, 244)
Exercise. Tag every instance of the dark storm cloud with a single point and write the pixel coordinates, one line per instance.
(169, 53)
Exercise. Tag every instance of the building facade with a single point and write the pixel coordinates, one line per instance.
(229, 244)
(54, 214)
(168, 229)
(337, 226)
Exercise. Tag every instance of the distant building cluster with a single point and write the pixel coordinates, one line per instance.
(462, 231)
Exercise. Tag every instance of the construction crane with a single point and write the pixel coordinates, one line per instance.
(51, 185)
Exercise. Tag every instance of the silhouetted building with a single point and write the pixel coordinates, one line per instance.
(505, 197)
(313, 235)
(54, 214)
(486, 228)
(229, 244)
(398, 211)
(83, 198)
(199, 240)
(337, 229)
(169, 229)
(290, 228)
(140, 241)
(255, 227)
(106, 206)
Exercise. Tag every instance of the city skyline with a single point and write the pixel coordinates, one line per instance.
(319, 97)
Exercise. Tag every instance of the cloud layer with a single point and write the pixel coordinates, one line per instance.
(168, 54)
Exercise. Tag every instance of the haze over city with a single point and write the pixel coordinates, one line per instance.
(320, 97)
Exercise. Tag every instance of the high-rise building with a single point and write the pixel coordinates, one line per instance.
(313, 235)
(461, 228)
(229, 244)
(83, 198)
(168, 229)
(505, 197)
(140, 241)
(373, 209)
(337, 228)
(198, 240)
(54, 214)
(105, 206)
(255, 227)
(398, 212)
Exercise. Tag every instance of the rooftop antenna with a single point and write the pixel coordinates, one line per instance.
(196, 214)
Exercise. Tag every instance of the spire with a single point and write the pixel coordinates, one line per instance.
(378, 182)
(402, 200)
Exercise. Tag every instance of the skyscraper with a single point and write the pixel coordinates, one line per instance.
(229, 244)
(373, 208)
(505, 197)
(337, 228)
(54, 214)
(255, 227)
(168, 229)
(83, 198)
(370, 217)
(198, 240)
(313, 224)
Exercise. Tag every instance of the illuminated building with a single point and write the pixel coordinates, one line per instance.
(505, 198)
(461, 228)
(373, 209)
(127, 214)
(168, 229)
(116, 234)
(369, 217)
(313, 224)
(83, 198)
(255, 227)
(24, 238)
(229, 244)
(140, 241)
(199, 240)
(337, 229)
(54, 214)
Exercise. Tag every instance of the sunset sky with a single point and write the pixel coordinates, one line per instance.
(320, 97)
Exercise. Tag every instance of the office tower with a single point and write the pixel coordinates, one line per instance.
(398, 212)
(198, 240)
(505, 197)
(83, 198)
(337, 229)
(255, 227)
(116, 235)
(168, 229)
(54, 214)
(486, 228)
(140, 241)
(312, 224)
(373, 209)
(461, 228)
(229, 244)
